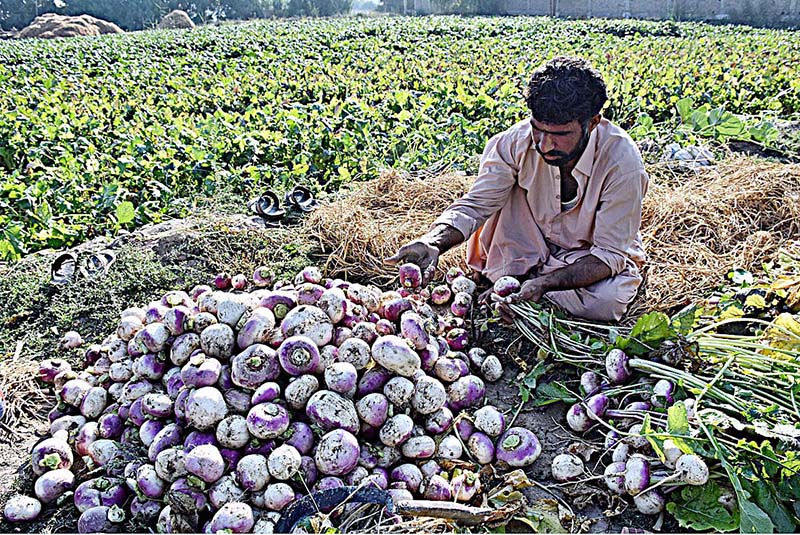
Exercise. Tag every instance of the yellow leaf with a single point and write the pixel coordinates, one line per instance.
(755, 301)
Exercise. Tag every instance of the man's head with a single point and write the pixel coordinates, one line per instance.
(565, 97)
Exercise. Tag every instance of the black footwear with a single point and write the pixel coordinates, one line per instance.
(267, 206)
(98, 263)
(301, 198)
(62, 271)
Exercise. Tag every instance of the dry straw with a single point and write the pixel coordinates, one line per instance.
(697, 225)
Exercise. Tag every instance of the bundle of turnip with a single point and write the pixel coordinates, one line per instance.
(213, 410)
(682, 402)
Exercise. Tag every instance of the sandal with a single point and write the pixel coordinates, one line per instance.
(62, 271)
(97, 264)
(302, 199)
(267, 206)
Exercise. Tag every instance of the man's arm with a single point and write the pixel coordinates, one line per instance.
(582, 273)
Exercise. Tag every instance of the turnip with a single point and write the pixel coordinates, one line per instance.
(254, 366)
(396, 430)
(614, 477)
(231, 309)
(205, 462)
(394, 308)
(489, 420)
(198, 438)
(365, 330)
(649, 503)
(518, 447)
(578, 418)
(378, 478)
(466, 392)
(358, 475)
(461, 305)
(635, 437)
(22, 509)
(437, 488)
(450, 448)
(284, 462)
(171, 464)
(101, 519)
(410, 276)
(356, 352)
(327, 483)
(298, 355)
(277, 496)
(217, 341)
(225, 490)
(422, 447)
(67, 423)
(617, 367)
(121, 371)
(267, 420)
(144, 510)
(692, 469)
(177, 319)
(342, 378)
(257, 328)
(408, 474)
(637, 474)
(621, 452)
(463, 284)
(310, 322)
(566, 467)
(169, 436)
(373, 380)
(149, 483)
(280, 303)
(491, 369)
(456, 339)
(149, 430)
(100, 491)
(337, 453)
(394, 354)
(128, 326)
(671, 453)
(308, 472)
(103, 451)
(205, 408)
(449, 369)
(157, 405)
(439, 421)
(300, 436)
(50, 485)
(662, 395)
(73, 391)
(330, 410)
(440, 295)
(185, 495)
(268, 391)
(430, 469)
(373, 409)
(505, 286)
(51, 454)
(233, 517)
(252, 472)
(150, 366)
(50, 368)
(429, 395)
(202, 321)
(399, 391)
(87, 434)
(300, 390)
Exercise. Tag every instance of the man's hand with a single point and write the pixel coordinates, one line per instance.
(418, 252)
(531, 290)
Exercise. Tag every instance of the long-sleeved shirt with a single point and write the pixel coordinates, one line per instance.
(513, 214)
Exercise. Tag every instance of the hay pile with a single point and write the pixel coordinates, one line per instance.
(358, 231)
(696, 225)
(176, 20)
(52, 25)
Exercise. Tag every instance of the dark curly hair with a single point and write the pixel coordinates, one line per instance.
(565, 89)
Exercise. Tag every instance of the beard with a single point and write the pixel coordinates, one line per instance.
(563, 158)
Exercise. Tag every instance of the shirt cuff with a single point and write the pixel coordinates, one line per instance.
(463, 223)
(615, 261)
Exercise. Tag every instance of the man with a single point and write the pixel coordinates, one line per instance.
(557, 202)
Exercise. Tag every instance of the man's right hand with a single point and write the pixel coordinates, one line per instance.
(419, 252)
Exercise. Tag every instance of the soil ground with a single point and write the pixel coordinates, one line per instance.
(183, 253)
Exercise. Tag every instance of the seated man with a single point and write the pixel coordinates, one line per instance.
(557, 202)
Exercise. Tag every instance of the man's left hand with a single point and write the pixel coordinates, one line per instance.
(531, 290)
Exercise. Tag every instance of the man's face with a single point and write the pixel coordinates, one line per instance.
(559, 144)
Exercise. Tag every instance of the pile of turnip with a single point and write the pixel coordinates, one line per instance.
(215, 409)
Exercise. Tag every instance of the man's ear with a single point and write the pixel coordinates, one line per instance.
(594, 121)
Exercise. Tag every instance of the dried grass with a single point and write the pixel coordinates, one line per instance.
(360, 230)
(26, 399)
(696, 225)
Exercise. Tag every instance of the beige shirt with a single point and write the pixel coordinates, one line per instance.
(513, 214)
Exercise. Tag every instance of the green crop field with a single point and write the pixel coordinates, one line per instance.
(107, 133)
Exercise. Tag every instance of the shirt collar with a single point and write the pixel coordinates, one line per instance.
(586, 161)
